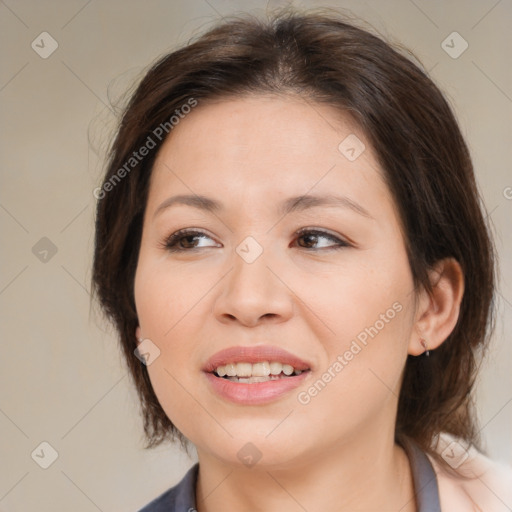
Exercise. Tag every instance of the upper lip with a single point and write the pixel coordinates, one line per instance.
(254, 354)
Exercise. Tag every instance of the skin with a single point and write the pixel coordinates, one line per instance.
(337, 452)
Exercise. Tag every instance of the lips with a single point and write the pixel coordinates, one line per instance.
(255, 393)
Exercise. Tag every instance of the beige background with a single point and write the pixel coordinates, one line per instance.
(62, 379)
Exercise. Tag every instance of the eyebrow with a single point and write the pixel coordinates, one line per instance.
(301, 203)
(290, 205)
(196, 201)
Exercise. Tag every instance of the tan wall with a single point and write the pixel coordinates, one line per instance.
(61, 376)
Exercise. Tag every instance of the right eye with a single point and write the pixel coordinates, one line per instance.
(185, 240)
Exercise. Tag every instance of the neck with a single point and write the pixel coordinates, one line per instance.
(349, 476)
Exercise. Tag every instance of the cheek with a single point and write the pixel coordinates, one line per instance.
(370, 293)
(164, 294)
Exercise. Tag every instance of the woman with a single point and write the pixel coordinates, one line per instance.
(291, 245)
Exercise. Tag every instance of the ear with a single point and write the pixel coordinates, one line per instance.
(138, 334)
(437, 313)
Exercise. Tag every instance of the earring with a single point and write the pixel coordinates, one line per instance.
(425, 346)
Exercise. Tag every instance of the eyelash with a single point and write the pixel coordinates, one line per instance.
(170, 243)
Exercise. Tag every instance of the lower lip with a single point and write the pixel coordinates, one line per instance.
(257, 392)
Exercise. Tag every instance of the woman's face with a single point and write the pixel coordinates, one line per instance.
(324, 277)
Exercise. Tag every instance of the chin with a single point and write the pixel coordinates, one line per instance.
(250, 447)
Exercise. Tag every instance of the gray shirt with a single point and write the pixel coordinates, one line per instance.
(182, 497)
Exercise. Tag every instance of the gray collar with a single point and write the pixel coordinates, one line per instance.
(424, 478)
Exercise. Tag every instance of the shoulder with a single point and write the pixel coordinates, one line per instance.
(474, 482)
(180, 498)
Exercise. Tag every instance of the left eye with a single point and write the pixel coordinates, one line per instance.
(312, 237)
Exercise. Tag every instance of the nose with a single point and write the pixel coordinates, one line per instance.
(252, 294)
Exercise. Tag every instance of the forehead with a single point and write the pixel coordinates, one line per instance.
(275, 125)
(263, 148)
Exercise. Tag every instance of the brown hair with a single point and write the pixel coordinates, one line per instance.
(417, 141)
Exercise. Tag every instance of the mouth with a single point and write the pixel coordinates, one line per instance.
(255, 375)
(262, 371)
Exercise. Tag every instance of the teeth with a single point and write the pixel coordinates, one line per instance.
(230, 370)
(287, 369)
(244, 369)
(250, 380)
(260, 369)
(276, 368)
(256, 371)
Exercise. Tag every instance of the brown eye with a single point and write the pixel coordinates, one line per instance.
(187, 242)
(312, 237)
(184, 240)
(309, 240)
